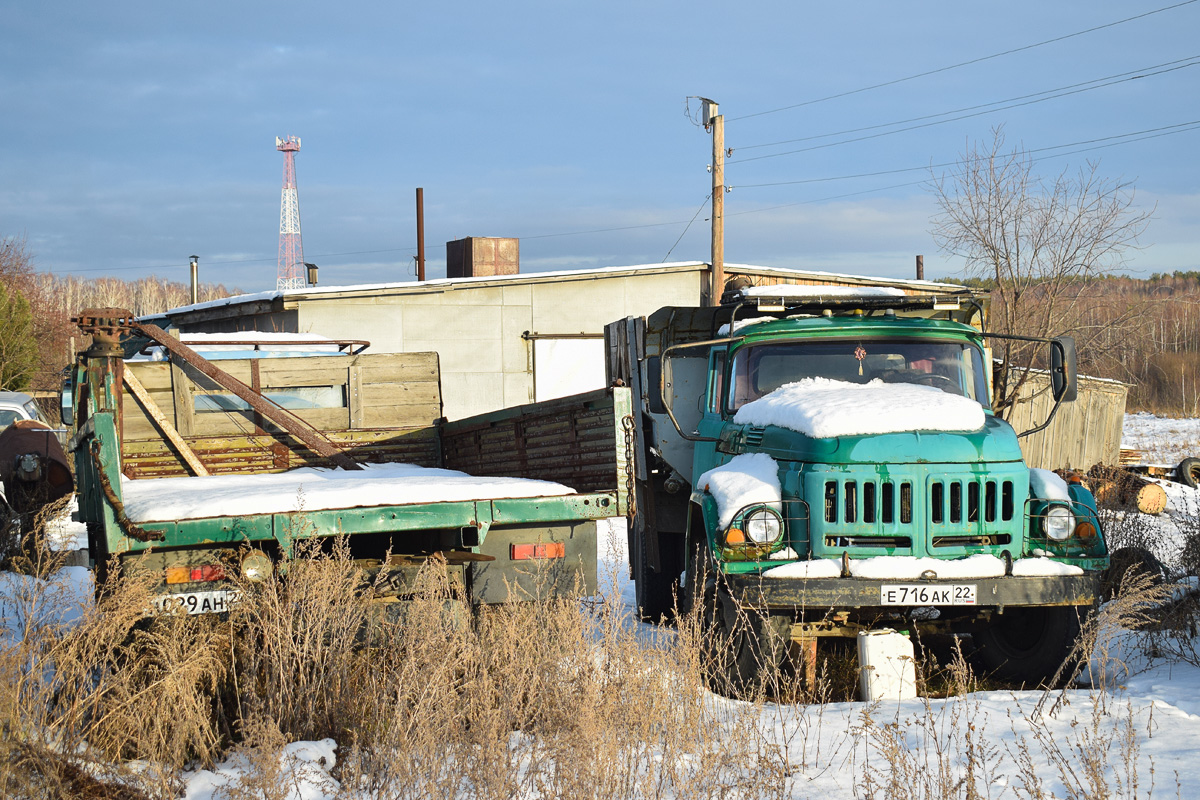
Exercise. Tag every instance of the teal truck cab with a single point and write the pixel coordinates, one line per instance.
(812, 467)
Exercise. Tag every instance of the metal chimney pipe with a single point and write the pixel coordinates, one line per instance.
(420, 235)
(920, 268)
(195, 280)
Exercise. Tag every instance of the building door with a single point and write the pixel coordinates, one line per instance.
(567, 366)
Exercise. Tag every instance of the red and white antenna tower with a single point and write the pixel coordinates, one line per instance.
(291, 250)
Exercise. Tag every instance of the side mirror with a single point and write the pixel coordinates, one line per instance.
(1063, 382)
(66, 404)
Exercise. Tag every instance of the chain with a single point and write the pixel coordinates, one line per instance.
(627, 424)
(127, 525)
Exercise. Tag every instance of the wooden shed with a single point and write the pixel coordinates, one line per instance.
(1083, 433)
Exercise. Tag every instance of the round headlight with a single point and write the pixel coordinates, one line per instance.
(257, 566)
(762, 526)
(1059, 522)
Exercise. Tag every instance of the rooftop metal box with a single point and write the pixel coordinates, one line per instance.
(480, 256)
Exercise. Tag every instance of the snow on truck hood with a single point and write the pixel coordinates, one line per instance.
(748, 478)
(824, 408)
(316, 489)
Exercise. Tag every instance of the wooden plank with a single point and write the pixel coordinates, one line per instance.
(154, 375)
(219, 423)
(354, 395)
(138, 424)
(275, 374)
(569, 440)
(228, 423)
(324, 419)
(181, 388)
(377, 368)
(400, 416)
(206, 444)
(160, 419)
(253, 454)
(414, 367)
(377, 395)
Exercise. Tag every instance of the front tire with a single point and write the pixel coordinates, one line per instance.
(1126, 561)
(744, 652)
(1029, 645)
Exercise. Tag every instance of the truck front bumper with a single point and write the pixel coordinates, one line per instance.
(799, 594)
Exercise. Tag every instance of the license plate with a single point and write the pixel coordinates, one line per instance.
(916, 594)
(195, 602)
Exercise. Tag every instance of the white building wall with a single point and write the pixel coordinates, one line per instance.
(478, 331)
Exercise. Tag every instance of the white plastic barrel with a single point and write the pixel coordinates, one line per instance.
(886, 666)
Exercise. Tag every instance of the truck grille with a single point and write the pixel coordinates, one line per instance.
(869, 502)
(963, 512)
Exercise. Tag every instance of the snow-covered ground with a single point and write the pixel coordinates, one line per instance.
(1145, 726)
(1161, 440)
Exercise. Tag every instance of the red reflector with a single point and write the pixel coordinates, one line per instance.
(208, 572)
(524, 552)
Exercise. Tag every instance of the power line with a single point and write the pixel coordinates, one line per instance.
(1191, 63)
(963, 63)
(687, 227)
(214, 262)
(1152, 133)
(1155, 132)
(1178, 63)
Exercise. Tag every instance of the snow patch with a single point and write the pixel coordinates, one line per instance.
(906, 568)
(724, 330)
(796, 290)
(748, 478)
(807, 570)
(30, 604)
(1038, 567)
(316, 489)
(1045, 484)
(304, 765)
(826, 408)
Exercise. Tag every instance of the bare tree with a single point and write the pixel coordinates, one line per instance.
(1040, 243)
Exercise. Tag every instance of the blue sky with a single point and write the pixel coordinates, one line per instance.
(136, 134)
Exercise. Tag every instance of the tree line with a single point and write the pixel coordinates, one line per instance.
(37, 337)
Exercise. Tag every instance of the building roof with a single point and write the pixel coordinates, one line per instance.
(280, 298)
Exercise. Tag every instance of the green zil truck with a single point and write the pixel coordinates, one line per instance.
(935, 525)
(165, 437)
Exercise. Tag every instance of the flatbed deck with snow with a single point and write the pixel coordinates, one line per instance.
(194, 474)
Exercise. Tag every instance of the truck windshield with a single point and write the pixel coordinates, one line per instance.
(952, 366)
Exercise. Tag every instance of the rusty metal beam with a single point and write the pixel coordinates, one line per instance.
(312, 438)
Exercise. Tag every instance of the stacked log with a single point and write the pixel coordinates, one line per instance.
(1114, 486)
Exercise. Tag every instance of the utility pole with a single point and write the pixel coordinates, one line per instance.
(716, 123)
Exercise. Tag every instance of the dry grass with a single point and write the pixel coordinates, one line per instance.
(551, 698)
